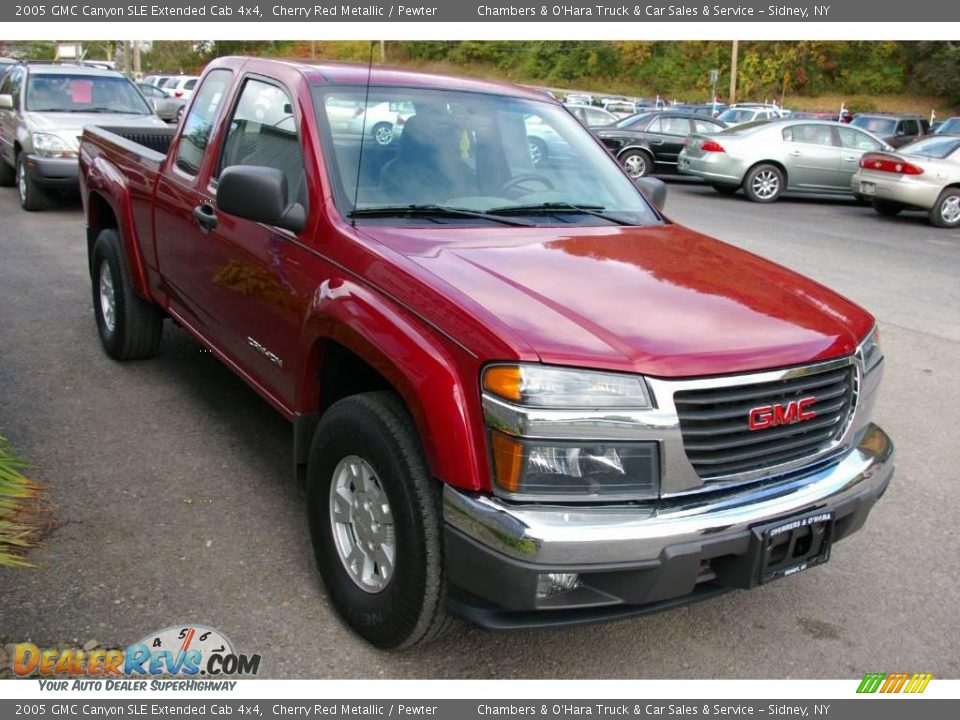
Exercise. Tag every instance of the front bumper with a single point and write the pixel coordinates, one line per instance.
(635, 560)
(54, 172)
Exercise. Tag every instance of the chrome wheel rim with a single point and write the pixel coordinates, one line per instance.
(950, 210)
(108, 306)
(22, 180)
(536, 154)
(362, 524)
(636, 166)
(383, 135)
(766, 184)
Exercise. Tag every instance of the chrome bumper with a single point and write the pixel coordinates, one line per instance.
(578, 535)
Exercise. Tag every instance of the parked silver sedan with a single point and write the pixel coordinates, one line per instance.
(924, 175)
(167, 108)
(767, 159)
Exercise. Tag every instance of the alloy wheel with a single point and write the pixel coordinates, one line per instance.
(636, 166)
(362, 524)
(766, 184)
(950, 210)
(108, 303)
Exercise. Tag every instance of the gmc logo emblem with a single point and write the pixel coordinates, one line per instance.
(794, 411)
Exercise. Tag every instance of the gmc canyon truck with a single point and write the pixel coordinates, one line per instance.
(519, 393)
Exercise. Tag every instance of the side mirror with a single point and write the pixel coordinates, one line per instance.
(258, 193)
(6, 101)
(654, 189)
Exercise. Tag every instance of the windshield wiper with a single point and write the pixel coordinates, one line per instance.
(428, 210)
(553, 207)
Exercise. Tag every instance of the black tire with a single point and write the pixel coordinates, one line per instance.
(764, 183)
(411, 607)
(8, 175)
(637, 163)
(382, 134)
(32, 196)
(538, 150)
(726, 189)
(944, 214)
(886, 208)
(137, 325)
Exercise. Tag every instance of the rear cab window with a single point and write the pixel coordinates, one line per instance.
(198, 125)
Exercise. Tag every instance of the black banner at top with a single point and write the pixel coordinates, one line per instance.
(489, 11)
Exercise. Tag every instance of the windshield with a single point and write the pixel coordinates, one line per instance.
(934, 147)
(434, 151)
(83, 93)
(737, 116)
(950, 127)
(878, 126)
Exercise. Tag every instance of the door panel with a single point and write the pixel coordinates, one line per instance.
(813, 161)
(666, 136)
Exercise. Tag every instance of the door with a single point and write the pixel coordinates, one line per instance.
(254, 278)
(812, 158)
(666, 135)
(12, 85)
(180, 239)
(853, 144)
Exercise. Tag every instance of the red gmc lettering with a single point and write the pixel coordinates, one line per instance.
(794, 411)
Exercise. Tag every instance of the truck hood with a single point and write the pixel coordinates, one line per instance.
(660, 300)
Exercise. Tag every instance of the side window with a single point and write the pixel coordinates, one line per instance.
(909, 127)
(812, 134)
(656, 126)
(262, 132)
(16, 85)
(190, 85)
(199, 123)
(702, 126)
(676, 126)
(856, 140)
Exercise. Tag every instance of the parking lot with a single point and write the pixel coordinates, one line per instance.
(171, 484)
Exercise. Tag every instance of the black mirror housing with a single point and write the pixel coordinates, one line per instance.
(255, 193)
(654, 189)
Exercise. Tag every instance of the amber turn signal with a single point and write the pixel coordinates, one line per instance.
(504, 381)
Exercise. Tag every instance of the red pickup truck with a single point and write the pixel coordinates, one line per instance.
(519, 393)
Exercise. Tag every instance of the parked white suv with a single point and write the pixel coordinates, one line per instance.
(180, 86)
(43, 110)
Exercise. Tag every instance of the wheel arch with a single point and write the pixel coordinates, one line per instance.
(776, 163)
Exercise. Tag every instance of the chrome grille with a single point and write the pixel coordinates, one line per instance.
(717, 438)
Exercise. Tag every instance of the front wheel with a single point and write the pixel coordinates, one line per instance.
(32, 197)
(637, 163)
(946, 212)
(764, 183)
(375, 521)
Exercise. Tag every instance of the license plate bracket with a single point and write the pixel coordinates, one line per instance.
(795, 544)
(868, 188)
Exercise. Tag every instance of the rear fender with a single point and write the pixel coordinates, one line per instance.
(415, 359)
(106, 187)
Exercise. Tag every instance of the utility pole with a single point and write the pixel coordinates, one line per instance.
(383, 52)
(313, 49)
(733, 72)
(126, 57)
(136, 59)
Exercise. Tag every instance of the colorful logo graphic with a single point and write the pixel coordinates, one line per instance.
(894, 682)
(183, 651)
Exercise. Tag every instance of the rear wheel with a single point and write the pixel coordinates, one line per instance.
(887, 209)
(637, 163)
(32, 196)
(375, 520)
(764, 183)
(946, 212)
(130, 328)
(383, 133)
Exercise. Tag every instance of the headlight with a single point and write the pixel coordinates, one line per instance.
(591, 468)
(870, 350)
(551, 387)
(554, 470)
(47, 145)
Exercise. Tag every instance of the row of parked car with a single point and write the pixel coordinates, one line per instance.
(893, 162)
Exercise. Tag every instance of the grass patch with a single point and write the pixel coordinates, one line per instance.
(21, 514)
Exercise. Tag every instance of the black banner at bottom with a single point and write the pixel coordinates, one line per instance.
(873, 707)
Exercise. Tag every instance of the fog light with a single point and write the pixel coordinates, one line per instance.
(554, 583)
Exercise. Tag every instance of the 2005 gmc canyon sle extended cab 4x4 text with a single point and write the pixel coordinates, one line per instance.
(519, 393)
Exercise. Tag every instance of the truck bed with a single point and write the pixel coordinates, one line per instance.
(151, 144)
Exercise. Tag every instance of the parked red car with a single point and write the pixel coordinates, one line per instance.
(519, 394)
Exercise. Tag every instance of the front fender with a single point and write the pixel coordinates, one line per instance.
(434, 375)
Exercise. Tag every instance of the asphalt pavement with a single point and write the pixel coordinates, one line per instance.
(171, 487)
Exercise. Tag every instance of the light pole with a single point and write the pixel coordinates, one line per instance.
(733, 72)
